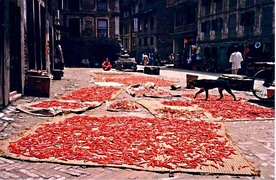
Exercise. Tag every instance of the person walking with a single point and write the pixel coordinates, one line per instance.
(235, 59)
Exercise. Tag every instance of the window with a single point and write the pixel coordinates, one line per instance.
(218, 6)
(232, 4)
(102, 28)
(152, 24)
(214, 25)
(217, 24)
(249, 2)
(207, 10)
(205, 27)
(88, 26)
(102, 5)
(135, 25)
(146, 41)
(232, 26)
(65, 4)
(206, 2)
(179, 18)
(126, 29)
(191, 16)
(267, 20)
(74, 27)
(247, 18)
(140, 6)
(151, 41)
(73, 6)
(140, 25)
(87, 4)
(146, 25)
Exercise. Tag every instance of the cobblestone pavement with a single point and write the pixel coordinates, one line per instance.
(254, 138)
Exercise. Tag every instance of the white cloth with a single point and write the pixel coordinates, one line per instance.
(236, 59)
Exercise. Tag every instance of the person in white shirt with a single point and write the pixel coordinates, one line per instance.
(236, 59)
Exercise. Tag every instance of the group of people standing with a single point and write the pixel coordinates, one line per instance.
(235, 60)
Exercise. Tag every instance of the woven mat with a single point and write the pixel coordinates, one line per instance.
(190, 112)
(56, 110)
(235, 164)
(228, 110)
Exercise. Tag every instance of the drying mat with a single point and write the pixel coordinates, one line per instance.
(151, 144)
(109, 84)
(129, 79)
(228, 110)
(49, 108)
(93, 93)
(149, 90)
(122, 106)
(156, 108)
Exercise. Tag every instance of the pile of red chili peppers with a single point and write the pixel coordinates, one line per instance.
(94, 93)
(123, 105)
(131, 79)
(57, 103)
(143, 142)
(226, 108)
(181, 113)
(155, 92)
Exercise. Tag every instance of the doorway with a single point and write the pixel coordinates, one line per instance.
(15, 48)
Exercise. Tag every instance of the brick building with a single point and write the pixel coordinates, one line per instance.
(220, 25)
(145, 26)
(90, 30)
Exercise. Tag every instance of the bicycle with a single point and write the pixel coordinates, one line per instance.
(263, 82)
(207, 65)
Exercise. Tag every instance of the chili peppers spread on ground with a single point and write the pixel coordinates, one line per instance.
(132, 79)
(181, 113)
(123, 105)
(94, 93)
(153, 91)
(226, 108)
(143, 142)
(56, 103)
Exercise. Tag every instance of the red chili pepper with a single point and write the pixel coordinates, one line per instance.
(214, 166)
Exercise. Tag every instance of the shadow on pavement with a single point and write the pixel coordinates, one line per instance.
(265, 103)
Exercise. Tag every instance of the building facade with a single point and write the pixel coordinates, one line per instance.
(145, 26)
(185, 30)
(129, 26)
(27, 40)
(248, 24)
(90, 31)
(220, 25)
